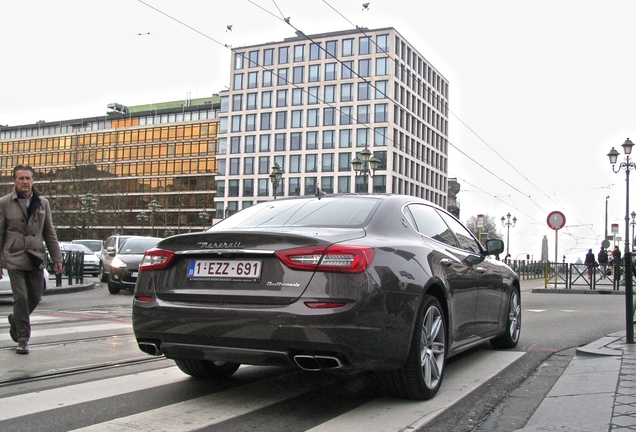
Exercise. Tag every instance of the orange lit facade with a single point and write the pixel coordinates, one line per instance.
(149, 171)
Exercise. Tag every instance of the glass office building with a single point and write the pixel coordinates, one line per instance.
(137, 170)
(312, 105)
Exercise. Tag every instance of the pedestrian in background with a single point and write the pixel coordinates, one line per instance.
(590, 262)
(616, 262)
(603, 261)
(26, 224)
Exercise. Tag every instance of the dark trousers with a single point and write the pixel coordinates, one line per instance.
(27, 287)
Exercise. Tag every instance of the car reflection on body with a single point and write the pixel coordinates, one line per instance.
(386, 283)
(94, 245)
(91, 262)
(124, 267)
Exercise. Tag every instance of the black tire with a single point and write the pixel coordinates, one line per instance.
(103, 277)
(421, 376)
(510, 337)
(113, 289)
(207, 369)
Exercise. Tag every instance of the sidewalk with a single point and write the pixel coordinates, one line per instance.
(597, 391)
(88, 283)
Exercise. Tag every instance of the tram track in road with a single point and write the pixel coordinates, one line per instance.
(58, 355)
(77, 370)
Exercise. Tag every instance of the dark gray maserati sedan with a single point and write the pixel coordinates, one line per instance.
(386, 283)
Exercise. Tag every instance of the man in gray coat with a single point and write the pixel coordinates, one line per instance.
(25, 225)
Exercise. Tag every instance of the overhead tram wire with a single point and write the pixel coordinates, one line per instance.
(444, 104)
(300, 33)
(288, 22)
(185, 25)
(257, 64)
(436, 96)
(498, 198)
(495, 175)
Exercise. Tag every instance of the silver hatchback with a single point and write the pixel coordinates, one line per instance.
(111, 248)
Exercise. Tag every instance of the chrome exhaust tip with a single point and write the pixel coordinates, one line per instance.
(150, 348)
(316, 363)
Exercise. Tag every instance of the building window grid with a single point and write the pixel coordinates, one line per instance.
(413, 126)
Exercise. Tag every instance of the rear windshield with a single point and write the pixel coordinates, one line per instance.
(138, 245)
(324, 212)
(95, 246)
(76, 247)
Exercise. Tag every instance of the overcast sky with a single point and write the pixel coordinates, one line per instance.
(539, 90)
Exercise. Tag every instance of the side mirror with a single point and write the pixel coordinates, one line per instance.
(494, 246)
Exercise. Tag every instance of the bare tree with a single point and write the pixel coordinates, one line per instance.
(489, 229)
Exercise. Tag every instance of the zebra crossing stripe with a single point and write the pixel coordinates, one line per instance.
(405, 415)
(214, 408)
(31, 403)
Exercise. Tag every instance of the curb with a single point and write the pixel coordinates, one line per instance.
(71, 288)
(599, 347)
(575, 291)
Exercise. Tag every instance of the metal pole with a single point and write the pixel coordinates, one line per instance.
(629, 287)
(556, 256)
(508, 240)
(606, 198)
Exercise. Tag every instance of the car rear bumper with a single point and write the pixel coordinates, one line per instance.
(93, 269)
(352, 337)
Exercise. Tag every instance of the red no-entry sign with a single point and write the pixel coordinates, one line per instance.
(556, 220)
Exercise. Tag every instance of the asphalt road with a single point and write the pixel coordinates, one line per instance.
(93, 327)
(553, 325)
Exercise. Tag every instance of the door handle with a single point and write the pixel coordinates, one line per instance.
(481, 269)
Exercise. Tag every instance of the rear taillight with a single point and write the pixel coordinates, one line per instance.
(343, 259)
(156, 259)
(324, 305)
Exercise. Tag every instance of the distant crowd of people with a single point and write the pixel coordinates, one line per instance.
(603, 262)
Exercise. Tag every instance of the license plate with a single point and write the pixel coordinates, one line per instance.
(225, 270)
(134, 274)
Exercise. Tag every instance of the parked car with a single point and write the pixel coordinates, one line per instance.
(6, 295)
(94, 245)
(385, 283)
(124, 267)
(91, 262)
(108, 252)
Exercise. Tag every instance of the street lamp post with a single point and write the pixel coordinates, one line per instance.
(142, 218)
(365, 166)
(627, 165)
(505, 221)
(275, 177)
(153, 206)
(89, 208)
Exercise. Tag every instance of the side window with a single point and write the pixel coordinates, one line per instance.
(109, 242)
(466, 239)
(429, 223)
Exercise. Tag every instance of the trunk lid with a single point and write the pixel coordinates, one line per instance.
(240, 267)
